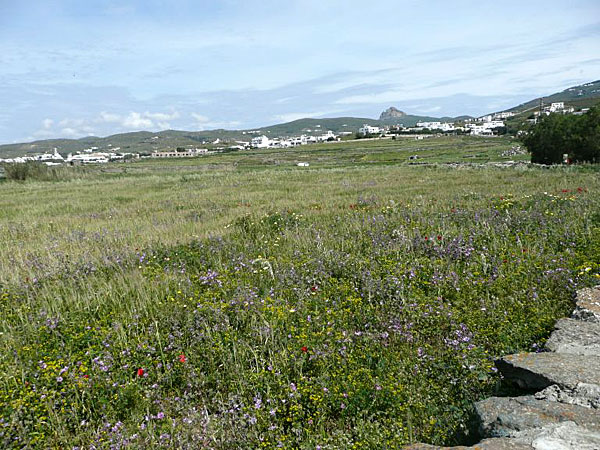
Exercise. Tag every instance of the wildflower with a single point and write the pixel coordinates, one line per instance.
(439, 238)
(160, 415)
(304, 349)
(182, 358)
(59, 379)
(140, 372)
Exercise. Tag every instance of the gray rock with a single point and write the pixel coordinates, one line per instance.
(587, 307)
(576, 337)
(540, 370)
(505, 417)
(486, 444)
(587, 395)
(563, 436)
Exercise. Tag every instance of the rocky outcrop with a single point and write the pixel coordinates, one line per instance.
(577, 337)
(391, 113)
(563, 412)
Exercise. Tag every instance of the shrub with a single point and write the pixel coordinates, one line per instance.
(37, 171)
(556, 135)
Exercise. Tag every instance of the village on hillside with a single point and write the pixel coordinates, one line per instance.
(485, 126)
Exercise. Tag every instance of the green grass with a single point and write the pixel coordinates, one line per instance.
(239, 301)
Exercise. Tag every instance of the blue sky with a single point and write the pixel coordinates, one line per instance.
(71, 68)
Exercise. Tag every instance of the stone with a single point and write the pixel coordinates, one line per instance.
(576, 337)
(540, 370)
(562, 436)
(587, 395)
(486, 444)
(506, 416)
(587, 306)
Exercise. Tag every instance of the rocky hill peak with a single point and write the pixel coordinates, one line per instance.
(391, 113)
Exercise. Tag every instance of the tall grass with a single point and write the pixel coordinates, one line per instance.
(342, 307)
(38, 171)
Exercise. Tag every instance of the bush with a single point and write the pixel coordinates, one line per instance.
(556, 135)
(37, 171)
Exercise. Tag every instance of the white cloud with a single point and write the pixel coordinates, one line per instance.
(69, 123)
(69, 132)
(109, 117)
(135, 120)
(289, 117)
(47, 123)
(200, 118)
(162, 116)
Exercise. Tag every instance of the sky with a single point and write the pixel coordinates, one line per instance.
(72, 68)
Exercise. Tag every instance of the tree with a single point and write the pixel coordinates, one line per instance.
(547, 140)
(587, 146)
(557, 134)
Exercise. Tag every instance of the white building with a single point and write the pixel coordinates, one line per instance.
(503, 115)
(444, 126)
(189, 153)
(260, 142)
(368, 129)
(556, 106)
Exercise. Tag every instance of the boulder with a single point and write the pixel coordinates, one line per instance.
(506, 417)
(587, 306)
(486, 444)
(562, 436)
(540, 370)
(576, 337)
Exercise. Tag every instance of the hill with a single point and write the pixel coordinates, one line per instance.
(582, 96)
(147, 142)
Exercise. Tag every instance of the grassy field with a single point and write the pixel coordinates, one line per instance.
(240, 301)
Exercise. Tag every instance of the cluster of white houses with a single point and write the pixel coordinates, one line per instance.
(88, 156)
(482, 126)
(265, 142)
(556, 107)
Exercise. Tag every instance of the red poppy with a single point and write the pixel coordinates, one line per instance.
(140, 372)
(182, 358)
(579, 189)
(426, 238)
(86, 376)
(439, 237)
(314, 288)
(304, 349)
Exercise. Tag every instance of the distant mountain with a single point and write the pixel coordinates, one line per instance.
(391, 113)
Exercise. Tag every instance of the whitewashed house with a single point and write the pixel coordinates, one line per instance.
(368, 129)
(260, 142)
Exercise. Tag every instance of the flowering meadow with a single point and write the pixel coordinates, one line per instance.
(337, 308)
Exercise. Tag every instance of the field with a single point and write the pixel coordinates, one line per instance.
(239, 301)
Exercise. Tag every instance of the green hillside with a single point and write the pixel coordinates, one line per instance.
(146, 141)
(582, 96)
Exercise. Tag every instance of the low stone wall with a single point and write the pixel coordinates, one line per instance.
(563, 412)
